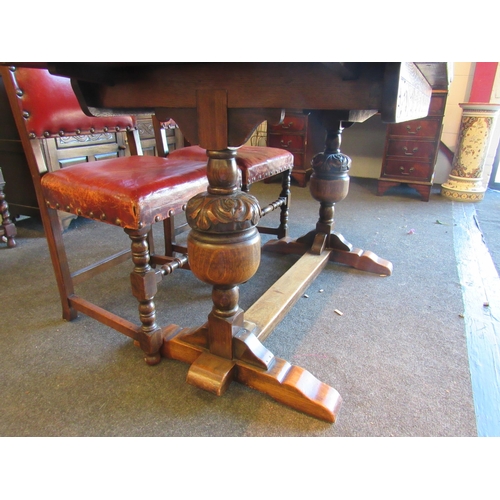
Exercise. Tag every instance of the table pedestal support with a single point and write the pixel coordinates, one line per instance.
(329, 184)
(224, 250)
(254, 366)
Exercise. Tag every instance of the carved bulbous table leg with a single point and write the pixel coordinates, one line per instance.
(329, 184)
(224, 250)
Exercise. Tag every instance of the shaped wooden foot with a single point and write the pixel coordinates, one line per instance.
(211, 373)
(341, 252)
(254, 366)
(295, 387)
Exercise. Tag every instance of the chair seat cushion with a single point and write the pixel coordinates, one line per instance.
(130, 191)
(255, 162)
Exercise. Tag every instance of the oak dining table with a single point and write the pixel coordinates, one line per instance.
(218, 105)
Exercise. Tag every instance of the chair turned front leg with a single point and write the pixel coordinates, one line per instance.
(285, 194)
(7, 226)
(143, 280)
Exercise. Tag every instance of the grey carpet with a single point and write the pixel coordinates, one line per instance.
(397, 355)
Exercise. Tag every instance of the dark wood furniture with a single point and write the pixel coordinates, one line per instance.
(217, 106)
(7, 227)
(411, 150)
(303, 136)
(132, 192)
(64, 151)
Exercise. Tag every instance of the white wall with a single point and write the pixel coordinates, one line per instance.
(364, 142)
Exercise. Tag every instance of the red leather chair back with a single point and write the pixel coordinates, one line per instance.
(51, 109)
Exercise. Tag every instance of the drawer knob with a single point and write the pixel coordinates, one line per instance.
(414, 150)
(410, 170)
(287, 125)
(417, 130)
(285, 145)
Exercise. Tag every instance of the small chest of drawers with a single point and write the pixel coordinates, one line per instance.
(411, 150)
(303, 137)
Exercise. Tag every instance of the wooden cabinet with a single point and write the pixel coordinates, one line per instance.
(303, 137)
(411, 150)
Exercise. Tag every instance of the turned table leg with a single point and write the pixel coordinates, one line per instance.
(224, 250)
(328, 185)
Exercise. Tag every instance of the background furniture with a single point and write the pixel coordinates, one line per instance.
(62, 152)
(303, 136)
(7, 227)
(411, 150)
(169, 136)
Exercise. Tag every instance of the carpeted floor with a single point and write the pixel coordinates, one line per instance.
(397, 355)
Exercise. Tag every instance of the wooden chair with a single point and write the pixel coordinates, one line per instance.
(256, 163)
(133, 192)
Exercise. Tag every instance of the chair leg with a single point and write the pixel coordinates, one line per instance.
(283, 202)
(151, 245)
(286, 194)
(7, 226)
(169, 235)
(144, 288)
(53, 233)
(170, 231)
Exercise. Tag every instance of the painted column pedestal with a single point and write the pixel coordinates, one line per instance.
(465, 181)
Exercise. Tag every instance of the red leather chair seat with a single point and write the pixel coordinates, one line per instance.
(253, 161)
(129, 192)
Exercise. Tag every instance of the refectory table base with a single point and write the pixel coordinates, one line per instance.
(252, 364)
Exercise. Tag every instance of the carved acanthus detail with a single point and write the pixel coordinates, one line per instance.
(331, 163)
(223, 214)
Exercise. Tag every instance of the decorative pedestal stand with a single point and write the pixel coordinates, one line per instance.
(465, 181)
